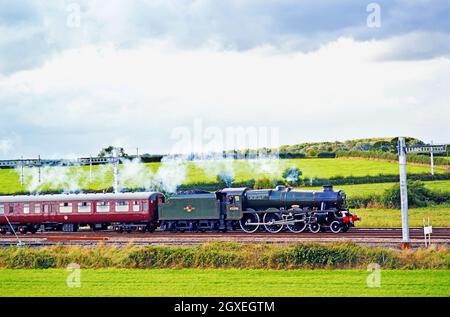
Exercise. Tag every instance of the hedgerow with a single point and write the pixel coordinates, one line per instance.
(227, 255)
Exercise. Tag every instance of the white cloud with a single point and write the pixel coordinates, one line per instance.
(5, 146)
(84, 99)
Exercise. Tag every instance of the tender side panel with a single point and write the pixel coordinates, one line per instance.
(190, 207)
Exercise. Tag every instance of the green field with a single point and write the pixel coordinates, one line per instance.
(380, 218)
(311, 168)
(190, 172)
(378, 188)
(224, 283)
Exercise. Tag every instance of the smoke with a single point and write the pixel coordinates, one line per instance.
(167, 176)
(217, 167)
(171, 173)
(53, 177)
(292, 175)
(226, 176)
(265, 166)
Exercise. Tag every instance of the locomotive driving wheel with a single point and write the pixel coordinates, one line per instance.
(314, 227)
(299, 225)
(270, 220)
(250, 222)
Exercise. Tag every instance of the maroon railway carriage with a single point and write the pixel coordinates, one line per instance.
(67, 212)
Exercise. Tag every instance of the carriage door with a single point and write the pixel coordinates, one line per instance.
(49, 210)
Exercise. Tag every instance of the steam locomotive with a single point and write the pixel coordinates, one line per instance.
(272, 210)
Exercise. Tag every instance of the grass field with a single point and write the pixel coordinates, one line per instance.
(380, 218)
(203, 171)
(311, 168)
(378, 188)
(224, 283)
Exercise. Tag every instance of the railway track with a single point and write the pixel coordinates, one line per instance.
(389, 237)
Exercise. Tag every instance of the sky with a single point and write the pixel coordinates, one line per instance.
(172, 76)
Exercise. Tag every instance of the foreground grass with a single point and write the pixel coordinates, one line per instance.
(223, 282)
(386, 218)
(197, 172)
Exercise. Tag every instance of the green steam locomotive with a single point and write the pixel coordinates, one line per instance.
(271, 210)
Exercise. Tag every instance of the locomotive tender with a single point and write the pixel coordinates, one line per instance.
(272, 210)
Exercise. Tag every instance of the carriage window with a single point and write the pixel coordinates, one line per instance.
(145, 206)
(45, 208)
(84, 207)
(65, 208)
(26, 208)
(122, 206)
(103, 206)
(37, 208)
(2, 209)
(11, 209)
(136, 206)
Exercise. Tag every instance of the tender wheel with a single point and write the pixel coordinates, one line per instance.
(269, 220)
(314, 227)
(298, 226)
(141, 229)
(335, 227)
(247, 220)
(118, 229)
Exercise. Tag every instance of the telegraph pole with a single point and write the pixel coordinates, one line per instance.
(403, 150)
(21, 171)
(403, 191)
(117, 186)
(90, 168)
(432, 160)
(39, 168)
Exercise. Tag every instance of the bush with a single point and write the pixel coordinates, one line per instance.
(263, 183)
(29, 258)
(418, 195)
(326, 155)
(226, 255)
(312, 153)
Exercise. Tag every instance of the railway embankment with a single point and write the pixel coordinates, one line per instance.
(344, 255)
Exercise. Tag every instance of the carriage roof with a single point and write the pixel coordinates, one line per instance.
(79, 197)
